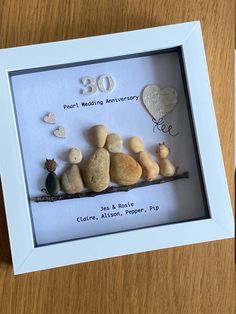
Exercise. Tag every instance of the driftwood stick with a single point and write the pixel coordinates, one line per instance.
(111, 189)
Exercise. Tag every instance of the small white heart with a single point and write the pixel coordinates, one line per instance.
(50, 118)
(159, 101)
(60, 132)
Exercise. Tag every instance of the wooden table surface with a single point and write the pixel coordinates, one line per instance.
(193, 279)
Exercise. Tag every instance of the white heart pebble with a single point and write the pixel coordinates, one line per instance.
(159, 101)
(50, 118)
(60, 132)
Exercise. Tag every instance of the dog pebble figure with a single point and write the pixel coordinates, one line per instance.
(52, 182)
(150, 167)
(71, 179)
(167, 169)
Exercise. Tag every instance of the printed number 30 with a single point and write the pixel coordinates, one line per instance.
(104, 83)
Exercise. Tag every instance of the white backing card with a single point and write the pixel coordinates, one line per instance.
(58, 91)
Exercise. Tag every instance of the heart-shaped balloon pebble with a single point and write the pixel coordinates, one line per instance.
(60, 132)
(50, 118)
(159, 101)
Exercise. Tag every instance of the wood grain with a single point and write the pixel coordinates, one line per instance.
(196, 279)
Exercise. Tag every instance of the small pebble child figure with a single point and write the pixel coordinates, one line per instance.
(52, 182)
(149, 166)
(71, 179)
(167, 169)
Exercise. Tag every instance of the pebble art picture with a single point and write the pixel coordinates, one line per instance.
(110, 147)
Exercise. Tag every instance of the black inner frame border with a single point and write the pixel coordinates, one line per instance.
(177, 50)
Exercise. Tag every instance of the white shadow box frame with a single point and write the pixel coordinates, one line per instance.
(187, 39)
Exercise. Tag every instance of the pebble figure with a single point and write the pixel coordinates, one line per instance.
(96, 170)
(167, 169)
(52, 182)
(125, 170)
(71, 179)
(149, 166)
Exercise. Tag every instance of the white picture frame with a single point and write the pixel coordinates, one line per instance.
(25, 255)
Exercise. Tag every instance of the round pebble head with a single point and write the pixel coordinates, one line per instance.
(162, 151)
(114, 143)
(75, 156)
(98, 135)
(50, 165)
(136, 144)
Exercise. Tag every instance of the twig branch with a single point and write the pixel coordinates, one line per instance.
(111, 189)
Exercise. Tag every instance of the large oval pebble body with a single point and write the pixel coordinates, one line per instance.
(52, 184)
(125, 170)
(96, 171)
(71, 180)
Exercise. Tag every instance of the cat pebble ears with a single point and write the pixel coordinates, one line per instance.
(162, 151)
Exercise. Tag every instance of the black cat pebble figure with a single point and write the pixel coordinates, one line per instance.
(52, 182)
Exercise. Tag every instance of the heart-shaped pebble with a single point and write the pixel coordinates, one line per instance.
(50, 118)
(60, 132)
(159, 101)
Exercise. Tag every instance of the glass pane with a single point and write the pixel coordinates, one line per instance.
(110, 94)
